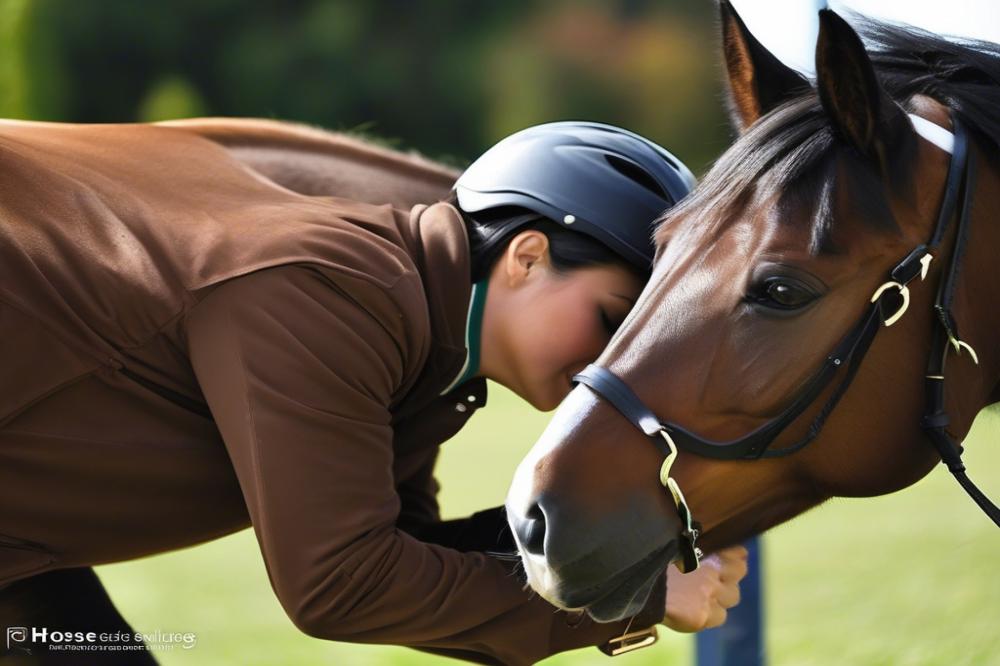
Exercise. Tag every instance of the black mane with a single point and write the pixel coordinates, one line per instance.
(794, 154)
(965, 76)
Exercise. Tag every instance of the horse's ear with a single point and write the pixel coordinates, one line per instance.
(860, 110)
(758, 81)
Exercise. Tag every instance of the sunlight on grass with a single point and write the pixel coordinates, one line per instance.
(903, 579)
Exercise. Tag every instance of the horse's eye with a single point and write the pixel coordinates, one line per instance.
(782, 293)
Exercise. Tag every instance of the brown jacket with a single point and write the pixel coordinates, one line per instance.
(189, 349)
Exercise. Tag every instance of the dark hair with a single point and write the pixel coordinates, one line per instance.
(490, 231)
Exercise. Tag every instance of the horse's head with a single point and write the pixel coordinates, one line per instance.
(760, 275)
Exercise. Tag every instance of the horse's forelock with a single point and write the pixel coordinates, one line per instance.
(792, 165)
(777, 153)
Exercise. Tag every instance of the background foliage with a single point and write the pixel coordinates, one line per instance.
(446, 77)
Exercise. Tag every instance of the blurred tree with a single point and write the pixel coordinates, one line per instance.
(171, 97)
(650, 72)
(31, 79)
(12, 84)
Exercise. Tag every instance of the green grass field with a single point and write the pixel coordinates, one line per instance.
(905, 579)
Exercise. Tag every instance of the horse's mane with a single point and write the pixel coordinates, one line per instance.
(965, 76)
(792, 155)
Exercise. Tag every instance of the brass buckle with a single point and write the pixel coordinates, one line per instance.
(691, 555)
(630, 641)
(903, 291)
(959, 345)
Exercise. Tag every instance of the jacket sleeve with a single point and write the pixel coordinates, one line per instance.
(420, 517)
(298, 364)
(418, 496)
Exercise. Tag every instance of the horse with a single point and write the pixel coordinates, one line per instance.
(318, 162)
(791, 344)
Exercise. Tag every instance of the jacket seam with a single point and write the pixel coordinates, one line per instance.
(260, 520)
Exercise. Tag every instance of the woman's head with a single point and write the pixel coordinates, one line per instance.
(560, 220)
(546, 318)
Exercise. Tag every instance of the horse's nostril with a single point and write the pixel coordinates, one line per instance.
(533, 531)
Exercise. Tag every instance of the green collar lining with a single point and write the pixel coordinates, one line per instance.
(473, 335)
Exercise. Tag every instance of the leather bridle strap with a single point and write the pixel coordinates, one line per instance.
(945, 337)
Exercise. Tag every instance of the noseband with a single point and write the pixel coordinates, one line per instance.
(887, 305)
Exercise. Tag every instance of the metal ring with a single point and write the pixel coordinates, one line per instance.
(903, 291)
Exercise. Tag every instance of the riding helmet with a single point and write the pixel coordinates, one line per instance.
(601, 180)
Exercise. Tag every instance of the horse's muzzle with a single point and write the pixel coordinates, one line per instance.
(611, 577)
(588, 536)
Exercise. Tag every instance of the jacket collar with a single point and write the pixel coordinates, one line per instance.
(473, 336)
(437, 240)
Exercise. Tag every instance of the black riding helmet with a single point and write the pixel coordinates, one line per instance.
(601, 180)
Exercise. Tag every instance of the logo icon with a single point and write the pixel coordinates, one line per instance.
(16, 635)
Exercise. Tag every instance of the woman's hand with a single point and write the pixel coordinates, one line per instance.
(700, 599)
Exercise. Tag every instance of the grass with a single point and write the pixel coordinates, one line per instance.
(903, 579)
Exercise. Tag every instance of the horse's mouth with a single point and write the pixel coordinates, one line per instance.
(626, 593)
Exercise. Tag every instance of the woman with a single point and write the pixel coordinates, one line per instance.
(192, 349)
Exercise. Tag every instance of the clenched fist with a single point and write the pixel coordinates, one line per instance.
(700, 599)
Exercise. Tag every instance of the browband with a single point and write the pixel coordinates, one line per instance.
(934, 133)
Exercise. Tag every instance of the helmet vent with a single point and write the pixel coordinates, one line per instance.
(635, 173)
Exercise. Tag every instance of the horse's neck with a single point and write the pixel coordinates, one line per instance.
(316, 162)
(988, 219)
(977, 303)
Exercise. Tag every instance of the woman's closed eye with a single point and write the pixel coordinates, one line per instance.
(609, 323)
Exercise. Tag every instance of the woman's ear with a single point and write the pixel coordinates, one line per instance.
(526, 253)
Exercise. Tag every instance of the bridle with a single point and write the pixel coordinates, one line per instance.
(887, 305)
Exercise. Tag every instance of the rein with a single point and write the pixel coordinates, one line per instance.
(887, 305)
